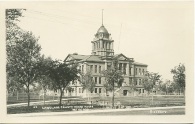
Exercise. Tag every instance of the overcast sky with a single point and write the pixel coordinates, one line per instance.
(159, 34)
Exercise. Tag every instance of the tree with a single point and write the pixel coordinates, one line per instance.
(151, 80)
(44, 79)
(22, 60)
(12, 34)
(87, 82)
(13, 14)
(62, 74)
(22, 54)
(113, 77)
(179, 76)
(132, 84)
(166, 87)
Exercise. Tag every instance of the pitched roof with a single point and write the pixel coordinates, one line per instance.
(94, 58)
(137, 63)
(97, 58)
(78, 56)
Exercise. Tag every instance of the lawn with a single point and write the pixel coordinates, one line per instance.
(144, 101)
(97, 102)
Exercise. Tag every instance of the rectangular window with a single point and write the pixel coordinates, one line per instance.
(99, 69)
(140, 81)
(91, 68)
(95, 90)
(136, 71)
(73, 90)
(100, 80)
(140, 90)
(130, 71)
(139, 71)
(136, 82)
(95, 68)
(79, 90)
(96, 80)
(143, 91)
(100, 90)
(143, 71)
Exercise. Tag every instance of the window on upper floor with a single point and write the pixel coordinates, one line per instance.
(100, 80)
(143, 73)
(91, 68)
(135, 71)
(73, 90)
(96, 80)
(140, 81)
(99, 69)
(100, 90)
(95, 68)
(95, 90)
(139, 71)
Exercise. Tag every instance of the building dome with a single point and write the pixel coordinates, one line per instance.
(102, 33)
(102, 29)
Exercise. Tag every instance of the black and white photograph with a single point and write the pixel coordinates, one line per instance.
(97, 61)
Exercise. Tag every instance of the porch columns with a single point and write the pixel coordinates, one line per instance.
(127, 69)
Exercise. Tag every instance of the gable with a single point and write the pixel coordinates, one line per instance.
(121, 57)
(69, 58)
(75, 57)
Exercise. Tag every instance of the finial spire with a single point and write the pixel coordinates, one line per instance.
(102, 16)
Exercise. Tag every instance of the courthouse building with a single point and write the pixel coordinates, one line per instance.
(100, 59)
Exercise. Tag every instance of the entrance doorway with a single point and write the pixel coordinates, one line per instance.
(124, 92)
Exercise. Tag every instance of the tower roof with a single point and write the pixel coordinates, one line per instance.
(103, 30)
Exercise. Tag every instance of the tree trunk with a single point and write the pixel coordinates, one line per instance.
(44, 96)
(17, 95)
(28, 93)
(61, 92)
(113, 97)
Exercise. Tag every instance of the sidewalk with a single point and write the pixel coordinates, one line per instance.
(37, 103)
(90, 111)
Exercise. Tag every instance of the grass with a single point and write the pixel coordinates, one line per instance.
(145, 101)
(98, 102)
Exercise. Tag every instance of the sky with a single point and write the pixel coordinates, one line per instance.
(159, 34)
